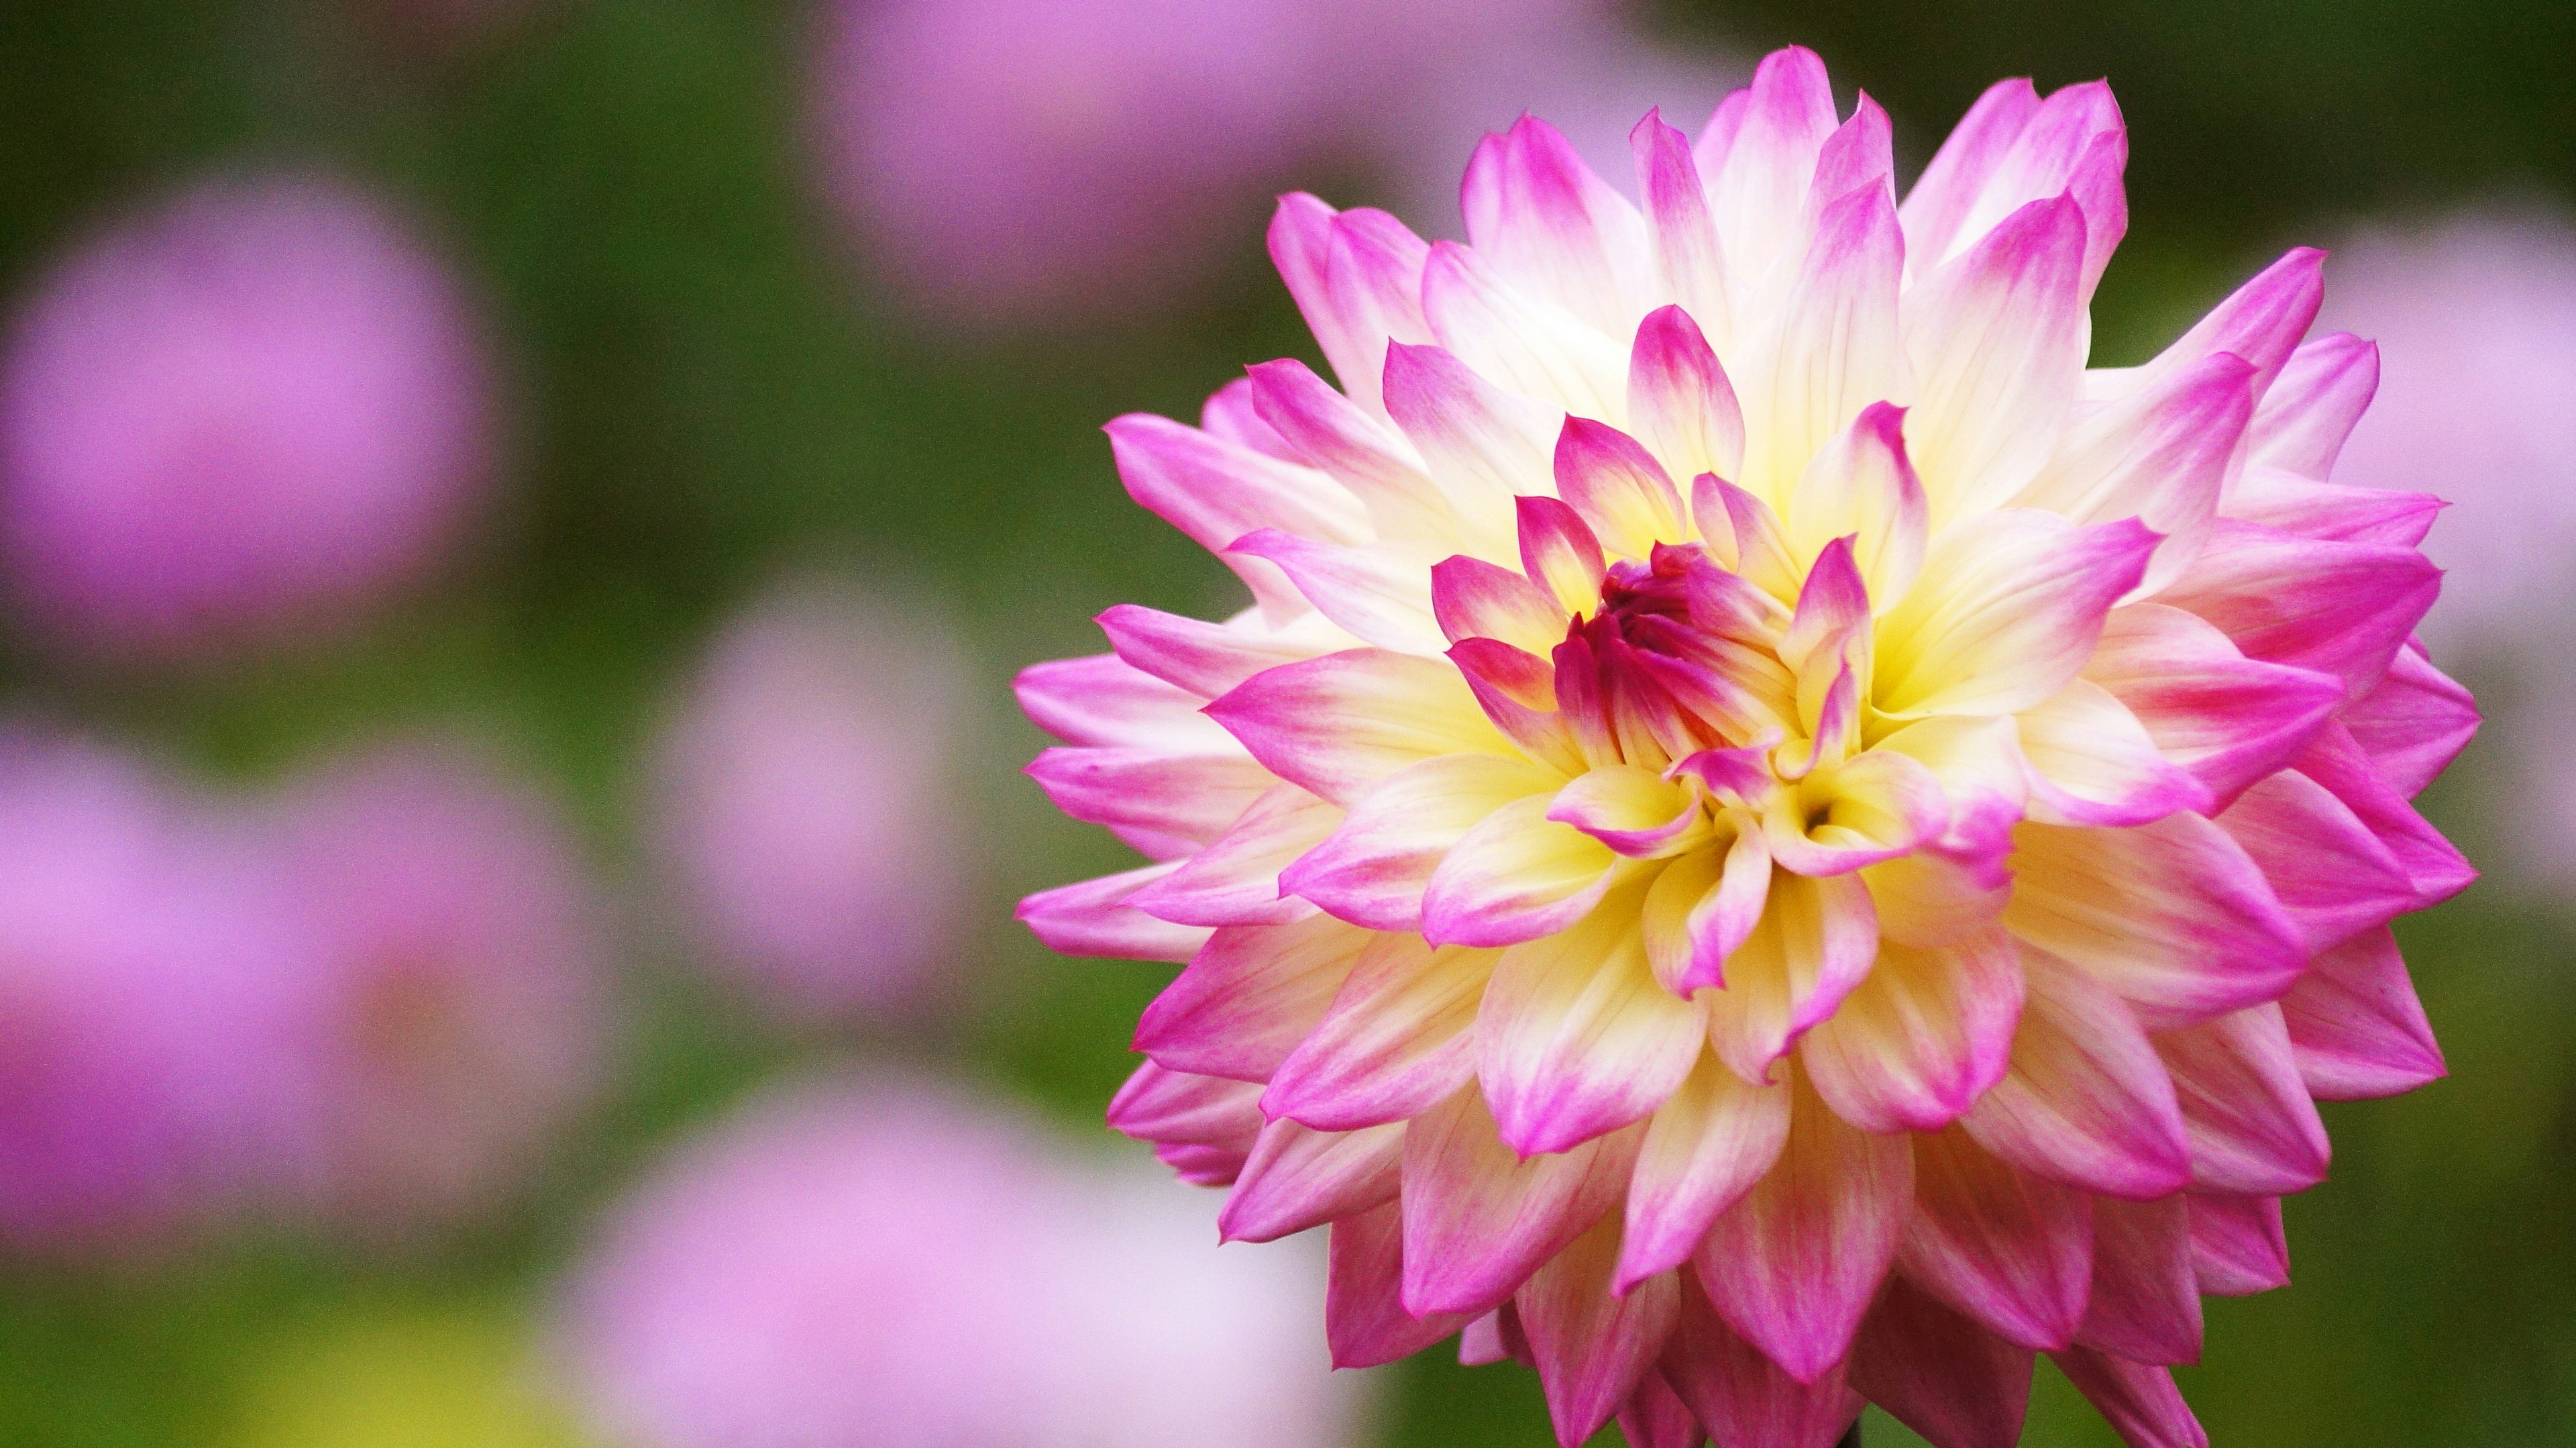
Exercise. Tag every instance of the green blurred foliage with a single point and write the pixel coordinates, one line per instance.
(703, 393)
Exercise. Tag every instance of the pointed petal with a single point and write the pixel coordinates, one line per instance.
(1705, 1148)
(2160, 454)
(1216, 491)
(1794, 1264)
(1862, 486)
(1741, 1396)
(1248, 997)
(2237, 1245)
(2331, 874)
(1939, 1373)
(2092, 762)
(1201, 1126)
(1478, 1220)
(1381, 593)
(1341, 724)
(1759, 156)
(1593, 1348)
(1832, 349)
(1472, 598)
(1374, 867)
(2311, 408)
(1235, 880)
(2261, 322)
(1575, 1039)
(1656, 1417)
(1525, 343)
(1299, 1177)
(2330, 511)
(1937, 210)
(2086, 1101)
(2356, 1028)
(2145, 1303)
(1094, 918)
(1356, 446)
(2252, 1126)
(2228, 719)
(2011, 1250)
(1689, 268)
(1186, 797)
(2413, 723)
(1484, 446)
(2340, 608)
(1618, 487)
(1398, 1039)
(1554, 227)
(1364, 1317)
(1918, 1041)
(1103, 700)
(1206, 659)
(1356, 277)
(1516, 876)
(1680, 404)
(2140, 1401)
(2007, 609)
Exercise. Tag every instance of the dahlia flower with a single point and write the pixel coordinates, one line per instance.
(461, 1016)
(236, 414)
(1770, 839)
(885, 1259)
(802, 807)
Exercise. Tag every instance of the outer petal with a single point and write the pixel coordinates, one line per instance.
(1593, 1348)
(1815, 941)
(1201, 1126)
(2161, 454)
(2086, 1100)
(1355, 445)
(1516, 876)
(2092, 762)
(2173, 915)
(2356, 1029)
(2312, 406)
(1217, 491)
(1381, 593)
(2140, 1401)
(1758, 156)
(2237, 1245)
(1523, 342)
(2252, 1127)
(1365, 1321)
(2332, 875)
(1832, 349)
(1485, 446)
(1235, 880)
(1689, 268)
(2145, 1303)
(2007, 609)
(1997, 339)
(1575, 1037)
(2413, 722)
(2011, 1250)
(1793, 1265)
(1398, 1039)
(2011, 149)
(1104, 700)
(1478, 1220)
(2261, 322)
(1340, 724)
(2341, 608)
(1705, 1148)
(2229, 719)
(1939, 1373)
(1249, 996)
(1207, 659)
(1656, 1417)
(1298, 1178)
(1357, 278)
(1919, 1040)
(1093, 917)
(1191, 798)
(2329, 511)
(1742, 1396)
(1373, 868)
(1556, 228)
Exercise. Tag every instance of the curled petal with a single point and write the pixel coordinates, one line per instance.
(1680, 404)
(1561, 554)
(1873, 808)
(1701, 908)
(1340, 724)
(2085, 1100)
(1374, 867)
(1922, 1037)
(1814, 942)
(1704, 1149)
(1472, 598)
(1634, 811)
(1575, 1038)
(1398, 1039)
(1618, 487)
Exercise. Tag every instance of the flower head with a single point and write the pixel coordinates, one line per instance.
(1771, 839)
(232, 415)
(887, 1260)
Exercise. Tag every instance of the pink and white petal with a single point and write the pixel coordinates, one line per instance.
(2434, 867)
(1092, 917)
(2140, 1401)
(1704, 1149)
(1235, 880)
(1516, 337)
(1324, 429)
(1104, 700)
(1831, 349)
(2012, 1250)
(1517, 875)
(2238, 1247)
(2262, 322)
(1174, 1108)
(1299, 1177)
(2330, 511)
(2086, 1100)
(1380, 592)
(2092, 762)
(1978, 765)
(2161, 454)
(1398, 1039)
(1921, 1038)
(1815, 941)
(1690, 270)
(1593, 1348)
(2312, 406)
(2356, 1028)
(2145, 1303)
(2331, 874)
(1365, 1321)
(2252, 1126)
(1483, 445)
(1618, 487)
(1560, 553)
(1216, 491)
(1863, 487)
(1939, 1373)
(1374, 868)
(1342, 724)
(1249, 996)
(1656, 1416)
(2228, 719)
(1478, 1219)
(1947, 192)
(1860, 153)
(1193, 1164)
(1680, 403)
(1872, 808)
(1702, 907)
(1555, 228)
(1996, 338)
(1746, 536)
(1793, 1265)
(1472, 598)
(1207, 659)
(2008, 607)
(1742, 1397)
(1357, 278)
(2340, 608)
(2413, 722)
(1185, 797)
(1575, 1038)
(1928, 902)
(1758, 157)
(1634, 811)
(1230, 413)
(2174, 916)
(2012, 149)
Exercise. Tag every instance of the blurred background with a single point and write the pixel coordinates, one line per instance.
(516, 521)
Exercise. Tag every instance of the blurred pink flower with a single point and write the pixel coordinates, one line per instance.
(464, 1012)
(803, 810)
(150, 996)
(234, 414)
(885, 1260)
